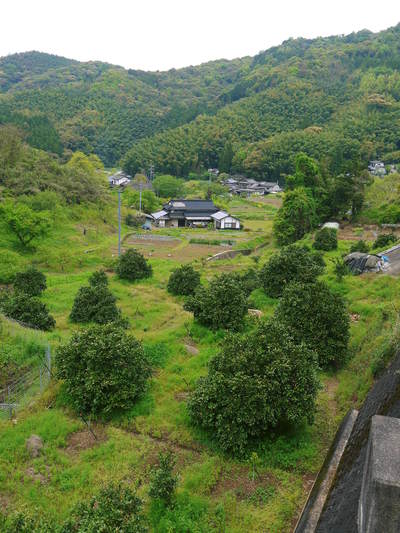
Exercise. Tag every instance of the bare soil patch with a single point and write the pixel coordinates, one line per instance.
(354, 233)
(181, 396)
(191, 347)
(239, 481)
(308, 482)
(172, 249)
(4, 502)
(164, 441)
(38, 476)
(196, 251)
(331, 386)
(271, 199)
(83, 440)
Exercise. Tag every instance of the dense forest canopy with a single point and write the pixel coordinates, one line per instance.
(28, 172)
(337, 99)
(101, 108)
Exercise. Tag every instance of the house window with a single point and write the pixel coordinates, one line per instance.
(230, 225)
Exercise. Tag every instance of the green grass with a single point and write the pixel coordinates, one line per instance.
(215, 493)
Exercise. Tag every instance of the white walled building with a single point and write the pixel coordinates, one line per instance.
(224, 220)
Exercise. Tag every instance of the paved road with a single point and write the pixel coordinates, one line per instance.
(394, 261)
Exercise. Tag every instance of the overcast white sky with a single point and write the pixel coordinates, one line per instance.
(161, 34)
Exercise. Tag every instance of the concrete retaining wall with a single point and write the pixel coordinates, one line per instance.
(229, 254)
(319, 492)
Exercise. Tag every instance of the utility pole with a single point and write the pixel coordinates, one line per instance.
(140, 197)
(119, 222)
(151, 172)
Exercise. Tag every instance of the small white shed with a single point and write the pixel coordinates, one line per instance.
(224, 220)
(331, 225)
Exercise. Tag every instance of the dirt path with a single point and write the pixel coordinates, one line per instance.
(331, 386)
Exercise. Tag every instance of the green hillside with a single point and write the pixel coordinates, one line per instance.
(262, 490)
(101, 108)
(337, 98)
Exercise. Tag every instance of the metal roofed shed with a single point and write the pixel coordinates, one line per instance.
(219, 215)
(223, 220)
(159, 214)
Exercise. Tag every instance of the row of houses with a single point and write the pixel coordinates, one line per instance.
(248, 186)
(193, 214)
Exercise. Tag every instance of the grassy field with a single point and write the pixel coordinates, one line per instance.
(215, 493)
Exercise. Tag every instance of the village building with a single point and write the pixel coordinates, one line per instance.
(224, 220)
(247, 186)
(119, 179)
(377, 168)
(213, 171)
(193, 213)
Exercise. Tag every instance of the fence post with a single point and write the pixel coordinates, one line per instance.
(9, 401)
(48, 361)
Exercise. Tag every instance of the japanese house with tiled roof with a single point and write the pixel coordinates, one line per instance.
(193, 213)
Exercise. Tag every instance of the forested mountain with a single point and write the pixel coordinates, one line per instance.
(336, 98)
(101, 108)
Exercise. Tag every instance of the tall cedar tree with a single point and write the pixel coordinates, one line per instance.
(296, 217)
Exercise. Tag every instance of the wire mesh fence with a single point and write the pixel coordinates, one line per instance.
(20, 391)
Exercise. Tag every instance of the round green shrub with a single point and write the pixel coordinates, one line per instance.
(32, 282)
(359, 246)
(326, 239)
(103, 368)
(29, 310)
(98, 279)
(133, 266)
(248, 280)
(23, 522)
(341, 269)
(221, 305)
(183, 280)
(389, 214)
(386, 239)
(115, 508)
(95, 304)
(317, 316)
(259, 381)
(292, 263)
